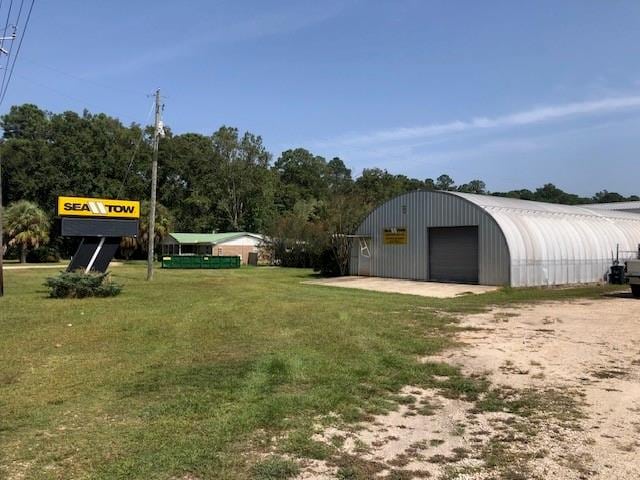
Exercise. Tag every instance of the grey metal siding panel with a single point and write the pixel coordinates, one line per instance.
(431, 209)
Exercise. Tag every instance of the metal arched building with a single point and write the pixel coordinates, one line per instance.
(457, 237)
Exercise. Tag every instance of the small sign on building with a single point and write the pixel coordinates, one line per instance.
(394, 236)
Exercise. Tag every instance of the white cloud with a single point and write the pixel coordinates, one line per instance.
(526, 117)
(273, 23)
(412, 159)
(420, 157)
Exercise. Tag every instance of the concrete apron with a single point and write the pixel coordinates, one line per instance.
(409, 287)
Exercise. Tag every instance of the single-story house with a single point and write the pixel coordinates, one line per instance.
(223, 244)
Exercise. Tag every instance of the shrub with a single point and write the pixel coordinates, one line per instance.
(43, 255)
(82, 285)
(326, 263)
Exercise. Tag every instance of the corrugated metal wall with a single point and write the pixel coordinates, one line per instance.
(417, 211)
(521, 243)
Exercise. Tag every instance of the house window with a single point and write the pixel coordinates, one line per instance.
(188, 249)
(170, 249)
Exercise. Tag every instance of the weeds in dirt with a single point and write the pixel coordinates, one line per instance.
(301, 445)
(559, 405)
(354, 468)
(511, 464)
(337, 440)
(275, 468)
(458, 455)
(428, 407)
(504, 317)
(579, 462)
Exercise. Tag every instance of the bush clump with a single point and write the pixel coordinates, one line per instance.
(82, 285)
(43, 255)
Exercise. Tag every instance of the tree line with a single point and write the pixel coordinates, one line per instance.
(226, 181)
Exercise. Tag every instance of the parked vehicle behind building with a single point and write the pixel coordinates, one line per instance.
(632, 272)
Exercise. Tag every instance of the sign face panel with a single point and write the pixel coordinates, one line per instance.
(98, 227)
(394, 236)
(97, 207)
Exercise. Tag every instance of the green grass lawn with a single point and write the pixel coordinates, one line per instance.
(200, 372)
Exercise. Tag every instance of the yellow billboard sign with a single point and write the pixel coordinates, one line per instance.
(97, 207)
(394, 236)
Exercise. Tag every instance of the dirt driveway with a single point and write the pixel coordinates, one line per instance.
(566, 377)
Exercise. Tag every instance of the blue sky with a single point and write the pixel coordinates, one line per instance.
(515, 93)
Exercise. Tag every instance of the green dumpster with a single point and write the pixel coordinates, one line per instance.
(181, 261)
(200, 261)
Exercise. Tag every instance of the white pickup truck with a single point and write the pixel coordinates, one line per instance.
(632, 272)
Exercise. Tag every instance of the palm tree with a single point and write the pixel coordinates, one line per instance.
(26, 226)
(128, 246)
(162, 225)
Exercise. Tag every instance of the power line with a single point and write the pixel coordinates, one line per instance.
(4, 74)
(13, 64)
(135, 150)
(6, 26)
(55, 90)
(83, 101)
(8, 73)
(81, 79)
(1, 219)
(77, 99)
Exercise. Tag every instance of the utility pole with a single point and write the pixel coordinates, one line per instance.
(154, 184)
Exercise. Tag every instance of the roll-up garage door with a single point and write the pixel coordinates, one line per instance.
(453, 254)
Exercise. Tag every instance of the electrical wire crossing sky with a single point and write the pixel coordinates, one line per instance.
(515, 94)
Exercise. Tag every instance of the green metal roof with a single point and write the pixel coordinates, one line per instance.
(208, 238)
